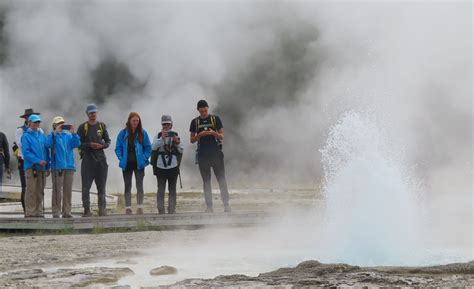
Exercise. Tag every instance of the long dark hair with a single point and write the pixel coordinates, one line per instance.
(131, 136)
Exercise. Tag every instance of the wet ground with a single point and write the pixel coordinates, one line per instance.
(212, 256)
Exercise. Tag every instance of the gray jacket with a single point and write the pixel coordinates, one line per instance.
(159, 144)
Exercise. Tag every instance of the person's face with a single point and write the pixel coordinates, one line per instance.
(34, 125)
(134, 121)
(92, 116)
(166, 126)
(203, 112)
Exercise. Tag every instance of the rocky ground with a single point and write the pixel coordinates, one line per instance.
(50, 261)
(314, 274)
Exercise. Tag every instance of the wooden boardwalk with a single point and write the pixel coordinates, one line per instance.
(134, 221)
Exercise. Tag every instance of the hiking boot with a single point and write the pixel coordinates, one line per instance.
(139, 211)
(55, 216)
(209, 210)
(128, 211)
(87, 213)
(227, 209)
(102, 212)
(67, 216)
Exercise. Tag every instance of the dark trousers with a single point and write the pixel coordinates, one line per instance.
(91, 171)
(21, 171)
(1, 176)
(127, 178)
(216, 162)
(163, 176)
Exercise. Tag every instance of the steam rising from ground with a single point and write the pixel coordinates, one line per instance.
(280, 74)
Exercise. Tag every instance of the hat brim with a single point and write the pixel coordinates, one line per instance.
(27, 115)
(91, 111)
(166, 122)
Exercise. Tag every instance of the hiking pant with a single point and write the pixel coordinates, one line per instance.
(21, 171)
(127, 178)
(1, 177)
(34, 196)
(62, 190)
(91, 171)
(216, 162)
(163, 176)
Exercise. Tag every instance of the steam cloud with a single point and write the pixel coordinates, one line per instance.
(278, 73)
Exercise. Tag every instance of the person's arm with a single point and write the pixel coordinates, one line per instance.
(146, 145)
(195, 136)
(118, 145)
(83, 138)
(157, 143)
(18, 135)
(49, 140)
(6, 153)
(106, 137)
(180, 147)
(219, 134)
(75, 139)
(28, 151)
(47, 159)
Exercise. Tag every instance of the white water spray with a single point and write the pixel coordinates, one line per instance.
(372, 210)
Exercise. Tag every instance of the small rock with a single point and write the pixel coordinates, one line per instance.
(164, 270)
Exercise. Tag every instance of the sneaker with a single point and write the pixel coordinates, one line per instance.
(227, 209)
(209, 210)
(55, 216)
(139, 211)
(67, 216)
(128, 211)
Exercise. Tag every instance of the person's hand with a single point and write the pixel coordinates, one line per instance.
(214, 133)
(164, 134)
(9, 174)
(96, 146)
(48, 173)
(72, 129)
(176, 140)
(43, 163)
(58, 128)
(204, 133)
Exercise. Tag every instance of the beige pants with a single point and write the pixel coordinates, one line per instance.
(34, 193)
(62, 189)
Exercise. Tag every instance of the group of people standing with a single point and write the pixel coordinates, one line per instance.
(40, 155)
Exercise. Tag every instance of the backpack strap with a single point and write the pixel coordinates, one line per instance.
(213, 122)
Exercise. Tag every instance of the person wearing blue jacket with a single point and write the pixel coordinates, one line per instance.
(133, 149)
(62, 142)
(36, 165)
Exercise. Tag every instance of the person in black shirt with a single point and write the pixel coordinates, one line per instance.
(94, 167)
(4, 157)
(207, 130)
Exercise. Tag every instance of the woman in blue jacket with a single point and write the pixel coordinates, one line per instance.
(36, 157)
(133, 149)
(62, 142)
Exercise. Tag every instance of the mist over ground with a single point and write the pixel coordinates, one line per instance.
(371, 102)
